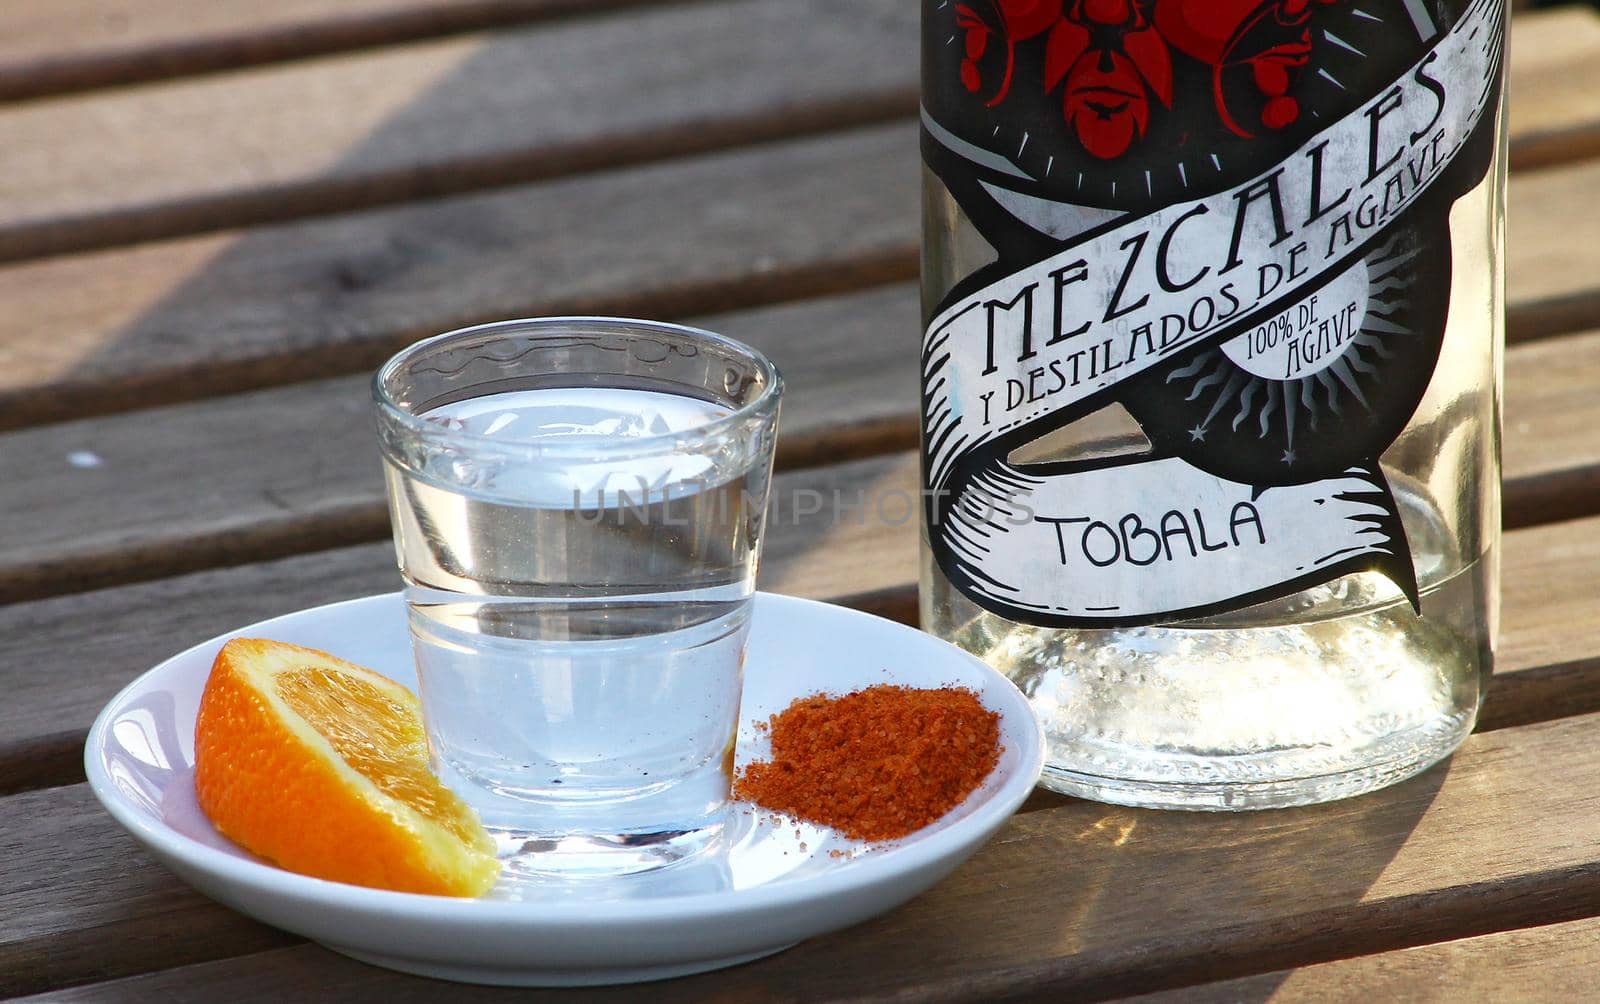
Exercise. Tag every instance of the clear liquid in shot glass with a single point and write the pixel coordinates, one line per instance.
(579, 623)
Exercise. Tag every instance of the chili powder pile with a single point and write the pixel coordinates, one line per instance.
(878, 763)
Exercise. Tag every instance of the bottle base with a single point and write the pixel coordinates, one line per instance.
(1408, 758)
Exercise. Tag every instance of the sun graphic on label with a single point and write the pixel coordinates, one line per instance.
(1307, 391)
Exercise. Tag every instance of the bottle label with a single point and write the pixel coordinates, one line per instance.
(1227, 220)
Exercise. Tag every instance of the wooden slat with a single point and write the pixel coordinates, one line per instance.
(124, 901)
(1079, 902)
(423, 120)
(1556, 962)
(1549, 659)
(189, 318)
(1551, 450)
(251, 477)
(1549, 280)
(51, 46)
(1553, 80)
(96, 642)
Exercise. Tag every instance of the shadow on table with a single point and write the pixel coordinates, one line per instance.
(317, 290)
(1116, 902)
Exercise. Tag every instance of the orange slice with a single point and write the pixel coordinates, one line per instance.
(321, 767)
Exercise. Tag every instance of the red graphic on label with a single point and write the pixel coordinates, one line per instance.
(1113, 59)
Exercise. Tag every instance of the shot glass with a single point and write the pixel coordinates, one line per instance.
(577, 505)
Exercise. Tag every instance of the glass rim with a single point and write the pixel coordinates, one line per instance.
(761, 408)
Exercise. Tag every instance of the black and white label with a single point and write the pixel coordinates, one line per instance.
(1238, 233)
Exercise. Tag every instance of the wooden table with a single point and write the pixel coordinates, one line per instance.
(217, 215)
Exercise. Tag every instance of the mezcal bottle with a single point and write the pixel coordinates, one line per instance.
(1211, 372)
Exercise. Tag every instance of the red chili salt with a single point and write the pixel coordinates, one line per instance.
(878, 763)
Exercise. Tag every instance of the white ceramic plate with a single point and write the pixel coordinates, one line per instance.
(772, 885)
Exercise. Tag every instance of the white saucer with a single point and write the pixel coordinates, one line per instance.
(769, 887)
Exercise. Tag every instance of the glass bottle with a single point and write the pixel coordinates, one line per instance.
(1211, 381)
